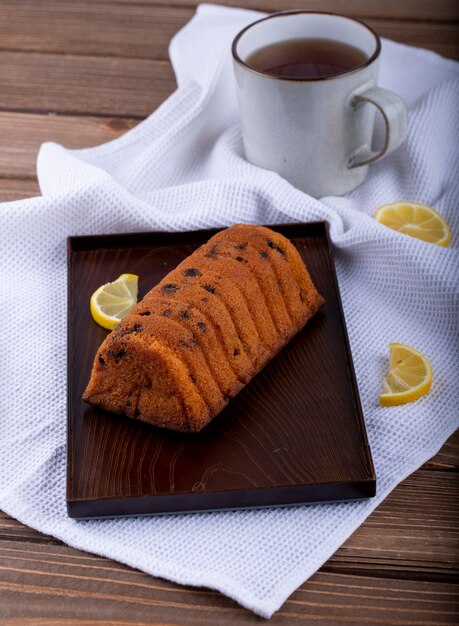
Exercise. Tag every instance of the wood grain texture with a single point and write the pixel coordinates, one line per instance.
(442, 37)
(425, 538)
(110, 86)
(448, 457)
(18, 188)
(87, 28)
(21, 135)
(58, 584)
(145, 30)
(408, 9)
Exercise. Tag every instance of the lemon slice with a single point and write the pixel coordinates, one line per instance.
(415, 219)
(113, 301)
(409, 376)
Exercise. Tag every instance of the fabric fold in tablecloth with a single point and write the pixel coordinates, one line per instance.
(182, 169)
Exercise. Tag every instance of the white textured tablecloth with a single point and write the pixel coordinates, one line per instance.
(182, 169)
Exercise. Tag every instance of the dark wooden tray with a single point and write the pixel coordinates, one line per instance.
(294, 435)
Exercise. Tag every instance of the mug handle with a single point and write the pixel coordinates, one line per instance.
(395, 118)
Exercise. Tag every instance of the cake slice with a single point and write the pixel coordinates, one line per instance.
(291, 273)
(203, 333)
(250, 290)
(221, 286)
(266, 278)
(222, 323)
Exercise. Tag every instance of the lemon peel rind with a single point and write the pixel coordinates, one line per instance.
(393, 205)
(414, 393)
(109, 322)
(405, 397)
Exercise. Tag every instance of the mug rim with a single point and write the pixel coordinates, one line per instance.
(370, 60)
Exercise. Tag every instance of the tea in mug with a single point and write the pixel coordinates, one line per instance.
(306, 58)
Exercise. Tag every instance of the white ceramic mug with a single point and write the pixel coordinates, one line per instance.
(315, 132)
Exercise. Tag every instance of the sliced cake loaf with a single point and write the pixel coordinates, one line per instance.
(205, 330)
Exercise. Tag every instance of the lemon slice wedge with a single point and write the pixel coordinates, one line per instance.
(415, 219)
(409, 376)
(113, 301)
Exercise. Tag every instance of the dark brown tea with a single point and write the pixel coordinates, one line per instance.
(306, 58)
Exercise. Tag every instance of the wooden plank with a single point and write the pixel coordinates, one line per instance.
(448, 457)
(17, 188)
(13, 530)
(84, 85)
(440, 37)
(59, 585)
(413, 532)
(22, 134)
(437, 10)
(144, 31)
(88, 28)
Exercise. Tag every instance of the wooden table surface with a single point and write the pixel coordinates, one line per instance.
(81, 72)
